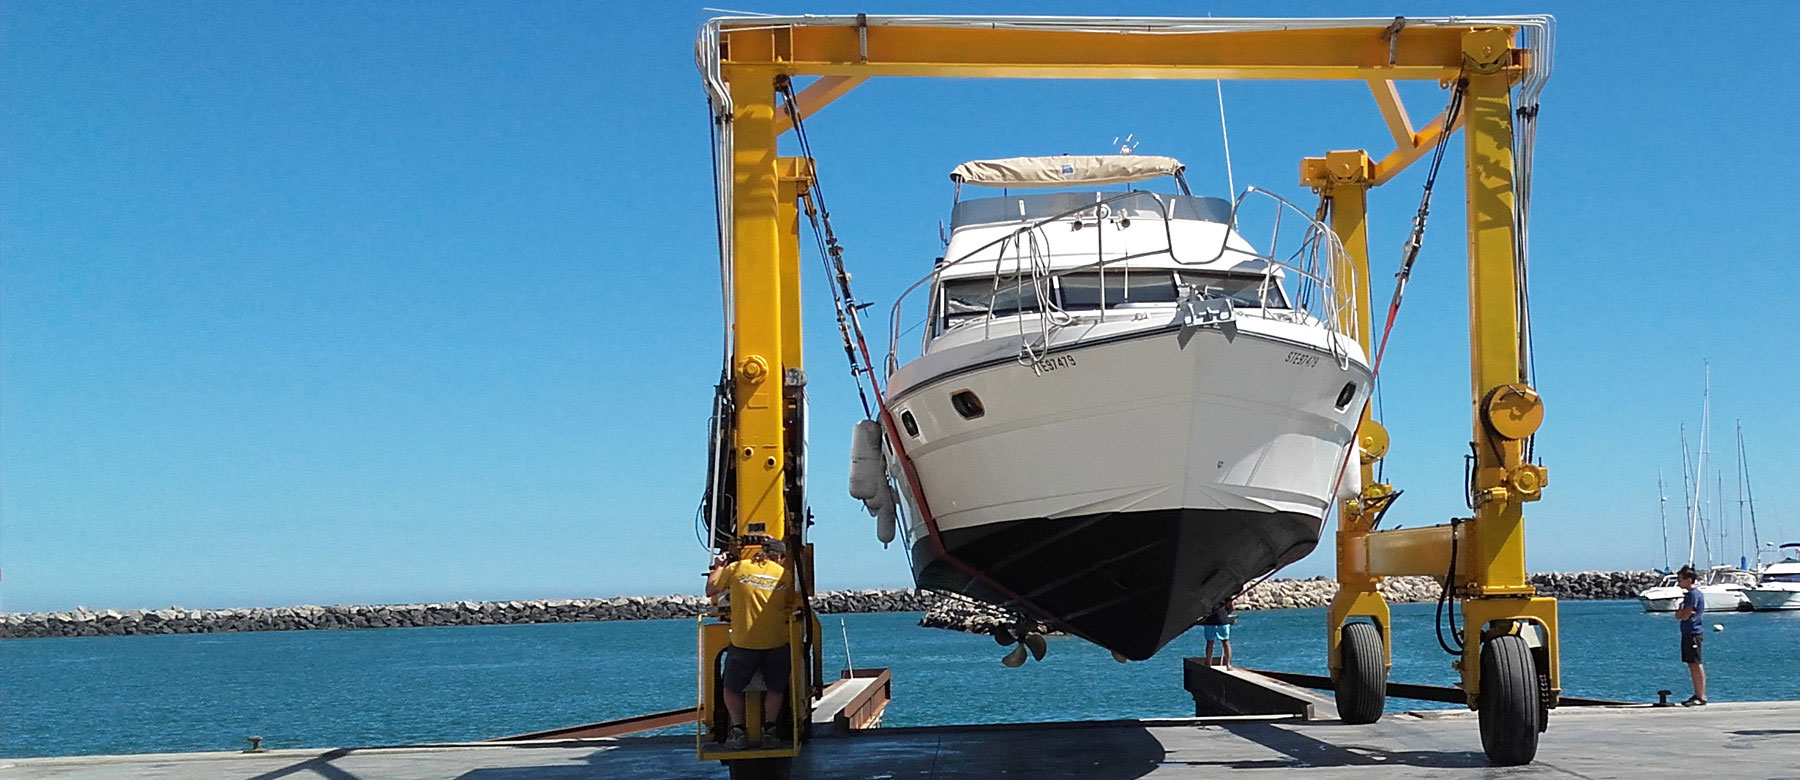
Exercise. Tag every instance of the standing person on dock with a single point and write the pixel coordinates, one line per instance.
(762, 593)
(1217, 627)
(1691, 613)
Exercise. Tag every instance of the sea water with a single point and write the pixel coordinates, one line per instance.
(140, 694)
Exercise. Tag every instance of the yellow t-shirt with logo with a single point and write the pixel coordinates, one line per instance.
(761, 596)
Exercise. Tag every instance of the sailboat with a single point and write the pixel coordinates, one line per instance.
(1723, 586)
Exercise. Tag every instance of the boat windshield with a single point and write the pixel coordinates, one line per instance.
(968, 299)
(1732, 577)
(1013, 208)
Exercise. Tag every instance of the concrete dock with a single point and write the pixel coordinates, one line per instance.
(1744, 740)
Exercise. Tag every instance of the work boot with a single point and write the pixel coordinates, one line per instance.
(771, 739)
(737, 739)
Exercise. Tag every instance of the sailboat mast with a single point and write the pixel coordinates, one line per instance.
(1750, 498)
(1662, 516)
(1687, 495)
(1743, 559)
(1719, 512)
(1700, 467)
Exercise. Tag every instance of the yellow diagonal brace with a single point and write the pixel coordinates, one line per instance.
(1387, 98)
(817, 95)
(1424, 140)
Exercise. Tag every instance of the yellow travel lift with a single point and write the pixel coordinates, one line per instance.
(1507, 642)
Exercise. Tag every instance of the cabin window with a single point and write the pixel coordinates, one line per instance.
(1247, 292)
(971, 298)
(966, 404)
(1117, 288)
(1345, 395)
(911, 425)
(1781, 578)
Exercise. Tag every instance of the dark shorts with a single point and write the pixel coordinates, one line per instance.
(1690, 648)
(741, 664)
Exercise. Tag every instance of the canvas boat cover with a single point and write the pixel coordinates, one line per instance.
(1065, 170)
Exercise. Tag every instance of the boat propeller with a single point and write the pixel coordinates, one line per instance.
(1023, 640)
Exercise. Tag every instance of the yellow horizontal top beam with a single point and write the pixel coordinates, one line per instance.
(1429, 53)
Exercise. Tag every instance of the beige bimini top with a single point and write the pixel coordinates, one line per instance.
(1065, 170)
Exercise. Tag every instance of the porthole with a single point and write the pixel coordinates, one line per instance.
(966, 404)
(1345, 395)
(911, 425)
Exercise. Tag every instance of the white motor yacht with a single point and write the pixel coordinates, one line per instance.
(1122, 411)
(1779, 588)
(1665, 596)
(1724, 587)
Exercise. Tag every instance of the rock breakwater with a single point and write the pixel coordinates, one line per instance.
(176, 620)
(941, 611)
(961, 614)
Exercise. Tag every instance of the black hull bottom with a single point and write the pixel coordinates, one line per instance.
(1130, 581)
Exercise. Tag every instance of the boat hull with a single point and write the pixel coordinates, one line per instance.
(1718, 598)
(1130, 581)
(1655, 601)
(1765, 598)
(1123, 490)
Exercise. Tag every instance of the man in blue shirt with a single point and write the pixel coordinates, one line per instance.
(1693, 609)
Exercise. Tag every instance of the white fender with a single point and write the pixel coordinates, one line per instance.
(885, 514)
(868, 468)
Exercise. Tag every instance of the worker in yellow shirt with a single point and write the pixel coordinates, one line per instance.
(762, 591)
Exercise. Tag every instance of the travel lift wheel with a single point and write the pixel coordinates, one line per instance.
(1362, 674)
(1511, 710)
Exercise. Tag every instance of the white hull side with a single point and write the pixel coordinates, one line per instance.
(1661, 599)
(1784, 596)
(1724, 598)
(1153, 421)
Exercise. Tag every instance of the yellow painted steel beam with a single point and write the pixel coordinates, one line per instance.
(1387, 98)
(1499, 533)
(1423, 142)
(1413, 552)
(817, 95)
(1428, 53)
(761, 322)
(795, 175)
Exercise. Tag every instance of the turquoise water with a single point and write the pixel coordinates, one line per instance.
(396, 686)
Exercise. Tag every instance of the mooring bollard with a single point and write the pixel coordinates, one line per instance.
(1662, 699)
(256, 745)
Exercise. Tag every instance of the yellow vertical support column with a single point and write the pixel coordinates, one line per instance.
(795, 176)
(1345, 177)
(1505, 410)
(760, 309)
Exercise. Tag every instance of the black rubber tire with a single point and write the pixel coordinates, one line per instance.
(1510, 706)
(1362, 676)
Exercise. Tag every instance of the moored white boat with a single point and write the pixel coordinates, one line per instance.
(1665, 596)
(1122, 411)
(1726, 589)
(1779, 586)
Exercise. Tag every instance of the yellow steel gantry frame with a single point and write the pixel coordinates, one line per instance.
(742, 60)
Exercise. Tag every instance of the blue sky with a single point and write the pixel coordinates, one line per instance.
(331, 302)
